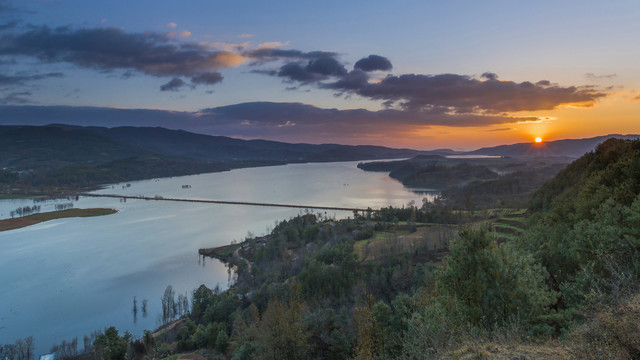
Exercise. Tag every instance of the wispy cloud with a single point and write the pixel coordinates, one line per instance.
(16, 98)
(22, 78)
(593, 76)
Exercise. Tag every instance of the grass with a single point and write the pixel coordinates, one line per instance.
(432, 239)
(20, 222)
(507, 226)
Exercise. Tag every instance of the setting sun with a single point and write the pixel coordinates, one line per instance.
(538, 140)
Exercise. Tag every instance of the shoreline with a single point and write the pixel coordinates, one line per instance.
(25, 221)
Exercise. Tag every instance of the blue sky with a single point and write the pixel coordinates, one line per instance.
(551, 68)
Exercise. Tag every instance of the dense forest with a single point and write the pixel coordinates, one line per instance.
(559, 279)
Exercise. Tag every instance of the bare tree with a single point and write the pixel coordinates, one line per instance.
(168, 304)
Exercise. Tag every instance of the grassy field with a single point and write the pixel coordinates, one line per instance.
(426, 238)
(17, 223)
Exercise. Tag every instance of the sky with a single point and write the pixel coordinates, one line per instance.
(412, 74)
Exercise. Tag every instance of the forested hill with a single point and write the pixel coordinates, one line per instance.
(56, 156)
(189, 145)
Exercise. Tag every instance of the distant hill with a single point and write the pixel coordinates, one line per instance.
(65, 156)
(573, 148)
(179, 143)
(48, 147)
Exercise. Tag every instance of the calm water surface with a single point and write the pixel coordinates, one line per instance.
(69, 277)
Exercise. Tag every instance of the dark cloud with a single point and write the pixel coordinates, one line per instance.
(274, 54)
(111, 48)
(270, 113)
(372, 63)
(209, 78)
(174, 85)
(500, 129)
(354, 80)
(315, 70)
(464, 94)
(489, 76)
(451, 93)
(21, 79)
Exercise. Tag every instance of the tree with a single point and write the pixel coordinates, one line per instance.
(168, 304)
(494, 284)
(282, 333)
(110, 346)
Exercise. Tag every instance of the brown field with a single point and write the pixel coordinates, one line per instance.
(20, 222)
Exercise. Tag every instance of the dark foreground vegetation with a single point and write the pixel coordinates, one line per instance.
(557, 280)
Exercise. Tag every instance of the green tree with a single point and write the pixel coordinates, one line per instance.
(110, 346)
(494, 284)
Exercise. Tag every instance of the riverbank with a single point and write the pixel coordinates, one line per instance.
(20, 222)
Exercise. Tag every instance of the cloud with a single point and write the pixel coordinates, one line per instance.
(16, 98)
(172, 25)
(278, 121)
(451, 93)
(593, 76)
(185, 34)
(465, 94)
(245, 36)
(278, 114)
(372, 63)
(174, 85)
(315, 70)
(271, 54)
(207, 78)
(21, 79)
(272, 44)
(500, 129)
(110, 48)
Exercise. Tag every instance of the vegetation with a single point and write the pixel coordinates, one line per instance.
(559, 280)
(473, 184)
(20, 222)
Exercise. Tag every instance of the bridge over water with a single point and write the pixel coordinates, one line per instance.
(160, 198)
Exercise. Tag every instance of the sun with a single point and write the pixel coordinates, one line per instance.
(538, 139)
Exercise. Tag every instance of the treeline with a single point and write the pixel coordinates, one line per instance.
(25, 211)
(22, 349)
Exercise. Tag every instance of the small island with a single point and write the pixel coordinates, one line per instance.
(24, 221)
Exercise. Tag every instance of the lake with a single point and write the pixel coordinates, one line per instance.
(70, 277)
